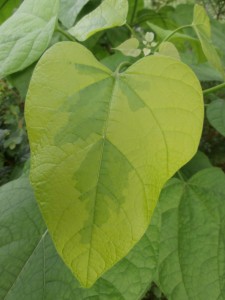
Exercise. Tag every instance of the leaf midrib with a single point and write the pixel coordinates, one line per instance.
(99, 173)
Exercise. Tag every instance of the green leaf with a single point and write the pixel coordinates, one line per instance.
(129, 47)
(7, 7)
(134, 8)
(69, 10)
(110, 13)
(22, 231)
(205, 72)
(26, 35)
(201, 26)
(168, 49)
(199, 162)
(32, 269)
(216, 115)
(21, 80)
(103, 148)
(191, 256)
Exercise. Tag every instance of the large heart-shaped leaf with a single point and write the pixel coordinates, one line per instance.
(26, 35)
(201, 26)
(192, 251)
(31, 269)
(103, 144)
(110, 13)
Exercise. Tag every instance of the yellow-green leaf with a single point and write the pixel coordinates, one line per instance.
(110, 13)
(168, 49)
(202, 28)
(129, 47)
(102, 145)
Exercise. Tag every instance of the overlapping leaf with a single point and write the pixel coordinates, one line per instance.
(216, 115)
(191, 256)
(31, 268)
(130, 47)
(26, 35)
(103, 144)
(168, 49)
(110, 13)
(69, 10)
(201, 26)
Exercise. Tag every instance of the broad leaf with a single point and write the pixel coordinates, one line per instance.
(216, 115)
(191, 256)
(7, 7)
(21, 80)
(69, 10)
(103, 144)
(31, 268)
(204, 72)
(201, 26)
(130, 47)
(22, 231)
(199, 162)
(110, 13)
(26, 35)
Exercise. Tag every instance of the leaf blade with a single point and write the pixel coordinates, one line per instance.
(192, 237)
(26, 35)
(216, 115)
(69, 11)
(31, 268)
(110, 219)
(201, 26)
(110, 13)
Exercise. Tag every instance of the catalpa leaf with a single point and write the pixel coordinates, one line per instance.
(110, 13)
(26, 35)
(191, 255)
(69, 10)
(32, 269)
(103, 144)
(202, 28)
(130, 47)
(216, 115)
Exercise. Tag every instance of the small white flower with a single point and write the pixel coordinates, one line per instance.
(146, 51)
(149, 37)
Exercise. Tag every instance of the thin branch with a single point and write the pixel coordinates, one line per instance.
(214, 89)
(172, 34)
(66, 34)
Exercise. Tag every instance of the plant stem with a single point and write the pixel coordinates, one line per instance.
(133, 12)
(214, 89)
(130, 29)
(66, 34)
(121, 66)
(172, 33)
